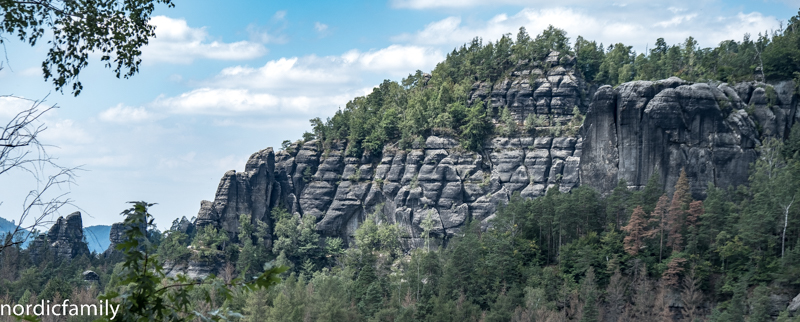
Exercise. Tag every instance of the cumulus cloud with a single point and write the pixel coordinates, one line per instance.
(637, 25)
(428, 4)
(10, 106)
(307, 86)
(320, 27)
(178, 43)
(66, 134)
(437, 4)
(242, 102)
(126, 114)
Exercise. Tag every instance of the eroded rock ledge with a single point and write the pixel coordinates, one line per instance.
(630, 132)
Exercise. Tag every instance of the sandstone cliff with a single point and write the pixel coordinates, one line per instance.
(644, 128)
(64, 239)
(439, 178)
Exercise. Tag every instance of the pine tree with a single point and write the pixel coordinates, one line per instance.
(589, 297)
(675, 216)
(695, 211)
(636, 231)
(615, 295)
(691, 295)
(760, 305)
(658, 217)
(670, 277)
(256, 309)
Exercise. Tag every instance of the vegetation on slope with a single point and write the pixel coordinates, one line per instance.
(421, 105)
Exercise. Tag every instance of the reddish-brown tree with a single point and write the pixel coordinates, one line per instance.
(636, 229)
(677, 211)
(671, 276)
(695, 211)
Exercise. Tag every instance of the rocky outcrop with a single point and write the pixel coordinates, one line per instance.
(794, 305)
(436, 179)
(116, 235)
(551, 88)
(90, 277)
(644, 128)
(249, 193)
(194, 268)
(630, 132)
(440, 180)
(63, 240)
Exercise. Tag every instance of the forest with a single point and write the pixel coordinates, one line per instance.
(583, 255)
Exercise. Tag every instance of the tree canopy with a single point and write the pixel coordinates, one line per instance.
(116, 29)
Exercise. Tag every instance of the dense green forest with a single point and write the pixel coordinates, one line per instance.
(578, 256)
(419, 106)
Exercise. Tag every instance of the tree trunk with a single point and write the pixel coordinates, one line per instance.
(785, 224)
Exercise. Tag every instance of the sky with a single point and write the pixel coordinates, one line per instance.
(225, 79)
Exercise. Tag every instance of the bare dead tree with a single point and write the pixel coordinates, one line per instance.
(21, 150)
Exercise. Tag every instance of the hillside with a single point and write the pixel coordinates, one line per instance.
(526, 179)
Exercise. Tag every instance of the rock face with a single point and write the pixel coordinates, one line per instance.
(552, 89)
(64, 239)
(253, 192)
(439, 180)
(794, 305)
(91, 277)
(195, 269)
(115, 236)
(644, 128)
(631, 132)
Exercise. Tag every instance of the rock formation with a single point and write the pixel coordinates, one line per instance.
(115, 236)
(64, 239)
(630, 133)
(438, 179)
(90, 277)
(712, 131)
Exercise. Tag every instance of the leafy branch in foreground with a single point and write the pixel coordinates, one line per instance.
(145, 293)
(117, 29)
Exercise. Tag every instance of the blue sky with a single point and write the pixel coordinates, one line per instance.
(224, 79)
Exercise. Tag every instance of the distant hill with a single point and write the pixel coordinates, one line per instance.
(97, 237)
(7, 227)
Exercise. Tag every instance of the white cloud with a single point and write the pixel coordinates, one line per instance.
(226, 101)
(320, 27)
(126, 114)
(676, 20)
(428, 4)
(10, 106)
(637, 25)
(65, 133)
(307, 86)
(272, 33)
(178, 43)
(435, 4)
